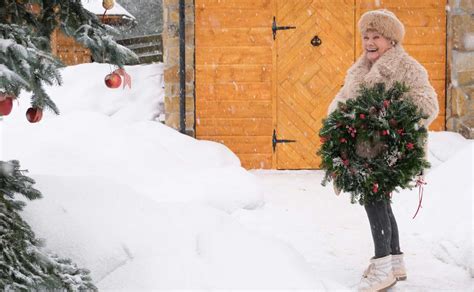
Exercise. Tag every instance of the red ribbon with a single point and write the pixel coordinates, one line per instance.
(419, 183)
(127, 80)
(103, 16)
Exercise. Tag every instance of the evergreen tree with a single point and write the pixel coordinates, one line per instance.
(23, 264)
(27, 63)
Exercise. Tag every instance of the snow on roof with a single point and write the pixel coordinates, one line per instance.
(95, 6)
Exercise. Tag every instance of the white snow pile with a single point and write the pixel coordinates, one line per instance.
(139, 204)
(448, 209)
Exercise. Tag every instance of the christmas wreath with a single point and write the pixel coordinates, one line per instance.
(373, 144)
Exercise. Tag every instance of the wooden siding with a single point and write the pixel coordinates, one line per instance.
(234, 77)
(247, 84)
(68, 50)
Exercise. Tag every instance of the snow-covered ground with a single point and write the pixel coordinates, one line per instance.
(144, 207)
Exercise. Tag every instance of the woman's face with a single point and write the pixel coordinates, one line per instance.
(375, 45)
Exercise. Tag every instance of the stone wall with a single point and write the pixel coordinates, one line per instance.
(460, 90)
(171, 63)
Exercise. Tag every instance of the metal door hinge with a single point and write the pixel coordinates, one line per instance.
(275, 141)
(275, 28)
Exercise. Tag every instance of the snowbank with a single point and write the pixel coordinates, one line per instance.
(447, 208)
(139, 204)
(129, 241)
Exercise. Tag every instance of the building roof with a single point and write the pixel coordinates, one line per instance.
(95, 6)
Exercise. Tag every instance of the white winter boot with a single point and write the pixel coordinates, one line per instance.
(398, 267)
(378, 276)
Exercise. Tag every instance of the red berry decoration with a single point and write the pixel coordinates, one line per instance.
(362, 116)
(375, 188)
(386, 103)
(6, 105)
(113, 80)
(34, 114)
(410, 146)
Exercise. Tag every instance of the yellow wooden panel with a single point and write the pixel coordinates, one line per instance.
(230, 37)
(254, 152)
(439, 124)
(240, 4)
(235, 127)
(234, 76)
(235, 109)
(244, 144)
(256, 161)
(233, 55)
(234, 18)
(427, 53)
(233, 73)
(234, 91)
(425, 36)
(421, 17)
(436, 71)
(378, 4)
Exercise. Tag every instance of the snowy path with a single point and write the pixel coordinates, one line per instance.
(334, 236)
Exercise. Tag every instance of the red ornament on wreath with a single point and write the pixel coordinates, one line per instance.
(375, 187)
(6, 104)
(34, 114)
(113, 80)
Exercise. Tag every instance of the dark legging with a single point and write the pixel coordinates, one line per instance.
(384, 228)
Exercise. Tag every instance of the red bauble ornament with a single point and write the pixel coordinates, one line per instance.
(6, 105)
(410, 146)
(34, 114)
(113, 80)
(386, 103)
(362, 116)
(375, 188)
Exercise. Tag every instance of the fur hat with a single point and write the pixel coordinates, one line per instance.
(383, 21)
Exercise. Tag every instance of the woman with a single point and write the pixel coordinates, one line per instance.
(385, 61)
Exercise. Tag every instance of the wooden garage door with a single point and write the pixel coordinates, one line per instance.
(249, 85)
(311, 61)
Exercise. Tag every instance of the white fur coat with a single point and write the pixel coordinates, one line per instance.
(394, 65)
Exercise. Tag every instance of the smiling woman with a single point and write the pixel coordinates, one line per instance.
(384, 61)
